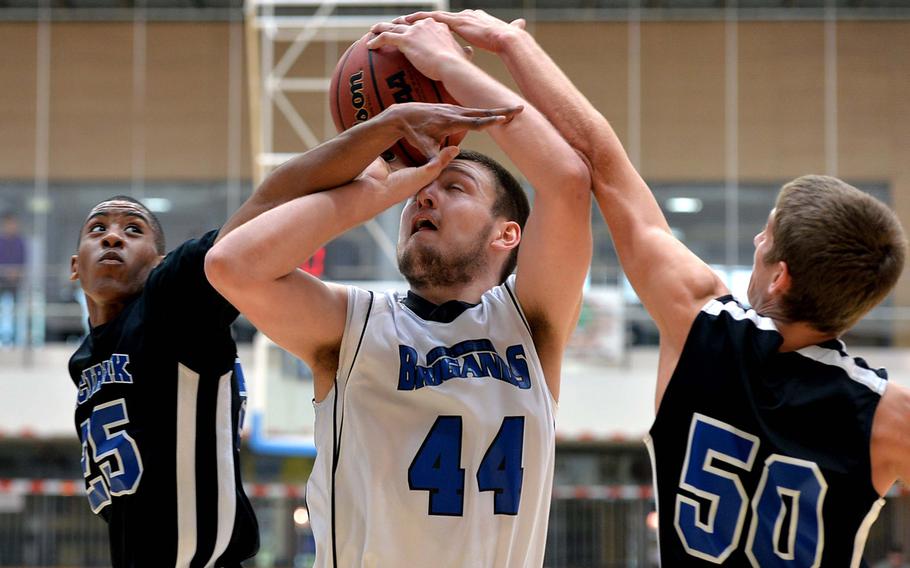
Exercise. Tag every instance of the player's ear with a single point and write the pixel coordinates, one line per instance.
(74, 268)
(780, 283)
(508, 236)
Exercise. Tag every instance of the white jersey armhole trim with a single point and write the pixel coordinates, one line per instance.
(358, 307)
(509, 286)
(833, 358)
(715, 307)
(859, 543)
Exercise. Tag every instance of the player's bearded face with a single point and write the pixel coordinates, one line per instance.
(447, 228)
(429, 264)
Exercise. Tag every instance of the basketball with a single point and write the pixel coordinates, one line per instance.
(366, 82)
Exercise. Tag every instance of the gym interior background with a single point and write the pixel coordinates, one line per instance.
(186, 103)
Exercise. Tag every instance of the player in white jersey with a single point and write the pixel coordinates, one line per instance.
(435, 409)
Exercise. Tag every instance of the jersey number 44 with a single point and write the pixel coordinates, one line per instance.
(436, 467)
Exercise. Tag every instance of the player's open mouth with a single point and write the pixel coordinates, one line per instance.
(423, 224)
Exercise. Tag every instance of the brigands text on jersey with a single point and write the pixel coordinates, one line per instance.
(476, 358)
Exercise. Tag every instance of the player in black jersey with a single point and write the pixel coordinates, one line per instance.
(160, 394)
(160, 399)
(771, 446)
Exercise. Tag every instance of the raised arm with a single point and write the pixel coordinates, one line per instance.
(255, 265)
(319, 169)
(671, 281)
(555, 250)
(890, 443)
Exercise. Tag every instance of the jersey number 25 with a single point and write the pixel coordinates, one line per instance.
(113, 453)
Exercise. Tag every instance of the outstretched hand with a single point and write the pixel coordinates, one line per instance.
(428, 44)
(409, 181)
(476, 26)
(426, 125)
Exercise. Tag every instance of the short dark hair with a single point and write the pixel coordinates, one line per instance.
(160, 245)
(511, 201)
(844, 251)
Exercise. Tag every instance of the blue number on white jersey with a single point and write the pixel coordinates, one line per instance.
(437, 467)
(501, 471)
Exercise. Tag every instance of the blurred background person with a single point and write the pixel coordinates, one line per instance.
(895, 558)
(12, 267)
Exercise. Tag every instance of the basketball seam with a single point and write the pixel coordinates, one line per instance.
(382, 106)
(373, 80)
(406, 153)
(337, 108)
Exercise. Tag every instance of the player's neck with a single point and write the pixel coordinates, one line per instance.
(800, 334)
(470, 292)
(99, 313)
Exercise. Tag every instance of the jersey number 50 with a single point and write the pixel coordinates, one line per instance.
(788, 485)
(437, 467)
(113, 453)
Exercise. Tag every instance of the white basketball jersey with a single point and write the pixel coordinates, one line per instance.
(436, 445)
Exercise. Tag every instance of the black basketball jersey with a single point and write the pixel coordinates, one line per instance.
(159, 405)
(761, 458)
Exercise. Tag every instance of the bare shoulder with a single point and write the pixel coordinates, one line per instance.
(890, 442)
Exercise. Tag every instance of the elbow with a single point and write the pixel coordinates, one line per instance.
(222, 269)
(578, 179)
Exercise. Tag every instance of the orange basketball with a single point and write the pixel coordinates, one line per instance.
(366, 82)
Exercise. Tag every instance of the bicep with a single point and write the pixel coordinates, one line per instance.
(890, 445)
(299, 312)
(554, 258)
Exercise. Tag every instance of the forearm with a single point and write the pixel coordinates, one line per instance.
(529, 140)
(272, 245)
(331, 164)
(279, 240)
(335, 162)
(546, 87)
(621, 192)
